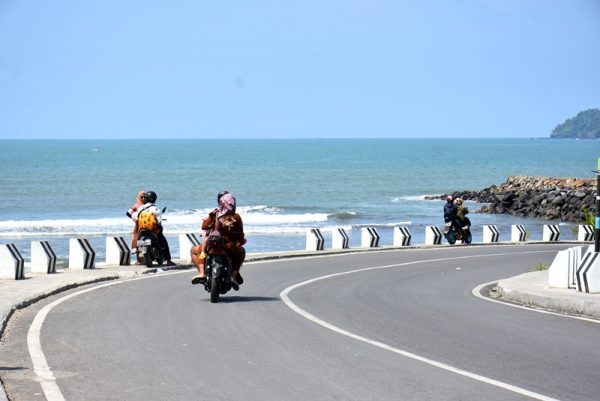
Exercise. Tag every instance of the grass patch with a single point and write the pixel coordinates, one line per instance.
(539, 267)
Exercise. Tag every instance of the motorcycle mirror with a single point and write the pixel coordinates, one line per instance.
(164, 209)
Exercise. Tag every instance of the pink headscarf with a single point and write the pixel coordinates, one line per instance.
(227, 204)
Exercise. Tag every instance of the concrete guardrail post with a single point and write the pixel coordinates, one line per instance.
(402, 236)
(339, 239)
(588, 273)
(585, 233)
(43, 258)
(186, 242)
(314, 240)
(550, 233)
(518, 233)
(490, 234)
(12, 264)
(81, 254)
(433, 235)
(369, 237)
(117, 251)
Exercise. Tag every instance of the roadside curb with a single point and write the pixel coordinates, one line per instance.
(531, 289)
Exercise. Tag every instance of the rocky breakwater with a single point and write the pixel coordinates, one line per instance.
(564, 199)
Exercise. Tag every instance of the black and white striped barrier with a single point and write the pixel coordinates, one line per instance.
(433, 235)
(339, 239)
(588, 273)
(585, 233)
(402, 236)
(490, 234)
(12, 264)
(550, 233)
(314, 240)
(186, 243)
(518, 233)
(117, 251)
(43, 258)
(369, 237)
(562, 272)
(81, 254)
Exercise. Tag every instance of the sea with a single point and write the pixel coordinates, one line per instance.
(55, 190)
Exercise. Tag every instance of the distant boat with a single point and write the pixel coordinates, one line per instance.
(96, 149)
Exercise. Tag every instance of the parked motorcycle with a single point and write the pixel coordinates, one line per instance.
(148, 248)
(453, 234)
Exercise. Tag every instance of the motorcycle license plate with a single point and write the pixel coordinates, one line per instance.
(144, 242)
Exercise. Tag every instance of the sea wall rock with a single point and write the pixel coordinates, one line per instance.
(549, 198)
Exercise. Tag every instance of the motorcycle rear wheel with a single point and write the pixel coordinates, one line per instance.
(214, 290)
(467, 237)
(148, 259)
(451, 237)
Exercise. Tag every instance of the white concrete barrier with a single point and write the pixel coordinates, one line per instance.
(585, 233)
(369, 237)
(81, 254)
(588, 273)
(314, 240)
(12, 264)
(550, 233)
(490, 234)
(518, 233)
(402, 236)
(433, 235)
(186, 242)
(560, 272)
(43, 258)
(117, 251)
(339, 239)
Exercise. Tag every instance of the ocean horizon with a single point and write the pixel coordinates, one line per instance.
(55, 190)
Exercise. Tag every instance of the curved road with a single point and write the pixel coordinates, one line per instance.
(388, 325)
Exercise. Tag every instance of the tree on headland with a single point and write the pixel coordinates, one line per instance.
(585, 125)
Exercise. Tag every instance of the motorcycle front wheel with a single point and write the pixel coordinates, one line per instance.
(214, 289)
(467, 237)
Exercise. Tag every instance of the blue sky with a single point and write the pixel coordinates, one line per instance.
(296, 68)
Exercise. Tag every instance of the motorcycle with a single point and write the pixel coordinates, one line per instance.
(218, 276)
(148, 248)
(452, 234)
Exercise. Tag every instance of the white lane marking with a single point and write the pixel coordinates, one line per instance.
(477, 292)
(40, 364)
(286, 299)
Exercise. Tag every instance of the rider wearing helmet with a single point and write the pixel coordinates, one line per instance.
(232, 230)
(451, 211)
(149, 217)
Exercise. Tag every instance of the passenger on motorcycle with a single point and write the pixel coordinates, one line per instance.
(149, 218)
(451, 212)
(231, 228)
(461, 213)
(198, 252)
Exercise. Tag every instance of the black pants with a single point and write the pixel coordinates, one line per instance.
(164, 246)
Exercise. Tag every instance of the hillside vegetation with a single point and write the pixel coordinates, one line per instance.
(585, 125)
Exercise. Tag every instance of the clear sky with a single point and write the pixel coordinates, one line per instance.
(296, 68)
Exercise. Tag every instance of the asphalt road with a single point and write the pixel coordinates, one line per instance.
(390, 325)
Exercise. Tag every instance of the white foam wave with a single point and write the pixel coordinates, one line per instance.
(415, 198)
(256, 219)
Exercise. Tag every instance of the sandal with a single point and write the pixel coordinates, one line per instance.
(199, 279)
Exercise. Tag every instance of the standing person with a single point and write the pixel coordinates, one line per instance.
(132, 214)
(149, 217)
(231, 228)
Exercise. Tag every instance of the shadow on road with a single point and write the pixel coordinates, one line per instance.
(236, 298)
